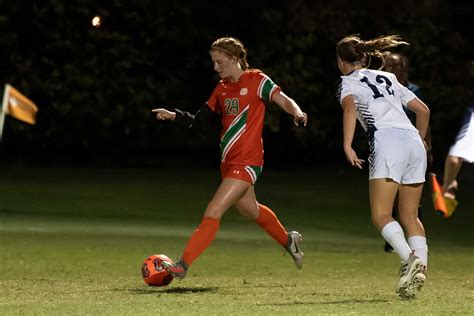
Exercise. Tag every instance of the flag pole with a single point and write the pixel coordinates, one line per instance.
(4, 109)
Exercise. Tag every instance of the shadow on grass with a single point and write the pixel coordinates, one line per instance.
(174, 290)
(341, 302)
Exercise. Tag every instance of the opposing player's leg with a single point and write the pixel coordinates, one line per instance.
(387, 247)
(387, 164)
(269, 222)
(410, 196)
(382, 195)
(410, 277)
(228, 193)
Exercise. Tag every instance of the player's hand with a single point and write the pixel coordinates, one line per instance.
(449, 189)
(300, 117)
(352, 158)
(163, 114)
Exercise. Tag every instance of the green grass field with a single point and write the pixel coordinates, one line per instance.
(72, 242)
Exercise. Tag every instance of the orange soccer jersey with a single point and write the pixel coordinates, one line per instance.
(242, 112)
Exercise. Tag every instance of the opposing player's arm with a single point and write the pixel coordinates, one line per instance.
(291, 107)
(422, 115)
(349, 125)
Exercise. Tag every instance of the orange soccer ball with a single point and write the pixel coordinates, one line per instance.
(154, 273)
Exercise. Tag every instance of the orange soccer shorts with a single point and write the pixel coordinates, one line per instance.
(248, 174)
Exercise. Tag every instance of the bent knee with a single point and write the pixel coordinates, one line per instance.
(252, 212)
(213, 210)
(407, 219)
(453, 160)
(379, 220)
(243, 212)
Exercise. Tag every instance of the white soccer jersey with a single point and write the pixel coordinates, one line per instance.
(379, 99)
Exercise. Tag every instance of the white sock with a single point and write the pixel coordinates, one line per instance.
(418, 244)
(393, 234)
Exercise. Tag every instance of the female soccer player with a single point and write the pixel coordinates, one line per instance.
(461, 150)
(239, 101)
(397, 159)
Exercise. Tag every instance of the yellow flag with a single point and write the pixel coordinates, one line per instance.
(19, 106)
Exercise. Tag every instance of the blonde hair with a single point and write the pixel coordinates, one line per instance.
(233, 48)
(352, 49)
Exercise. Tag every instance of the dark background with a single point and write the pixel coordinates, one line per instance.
(95, 87)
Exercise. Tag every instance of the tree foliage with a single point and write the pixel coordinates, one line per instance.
(95, 86)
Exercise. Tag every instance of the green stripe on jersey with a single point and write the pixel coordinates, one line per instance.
(231, 135)
(267, 88)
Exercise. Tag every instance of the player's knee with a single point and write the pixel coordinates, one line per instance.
(453, 160)
(213, 210)
(380, 220)
(408, 219)
(376, 220)
(243, 212)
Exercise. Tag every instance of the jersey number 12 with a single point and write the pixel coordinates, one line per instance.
(379, 79)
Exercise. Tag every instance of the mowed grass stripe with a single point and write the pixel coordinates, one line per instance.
(72, 242)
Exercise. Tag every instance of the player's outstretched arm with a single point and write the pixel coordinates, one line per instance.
(164, 115)
(199, 121)
(290, 106)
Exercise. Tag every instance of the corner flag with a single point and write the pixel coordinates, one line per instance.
(442, 205)
(18, 106)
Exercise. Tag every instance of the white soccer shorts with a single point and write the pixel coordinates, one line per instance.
(398, 154)
(464, 145)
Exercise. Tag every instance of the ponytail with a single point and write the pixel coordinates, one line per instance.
(353, 50)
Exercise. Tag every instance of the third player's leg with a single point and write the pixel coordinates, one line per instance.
(451, 169)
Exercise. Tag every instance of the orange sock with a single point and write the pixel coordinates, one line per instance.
(200, 239)
(270, 223)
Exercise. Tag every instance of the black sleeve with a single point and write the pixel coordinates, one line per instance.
(201, 120)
